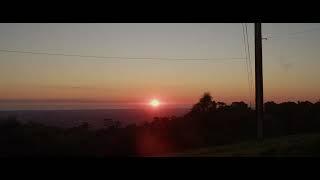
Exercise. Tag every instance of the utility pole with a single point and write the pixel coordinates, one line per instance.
(259, 80)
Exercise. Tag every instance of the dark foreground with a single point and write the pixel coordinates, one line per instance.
(293, 146)
(207, 124)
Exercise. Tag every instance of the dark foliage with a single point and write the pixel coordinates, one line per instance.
(208, 123)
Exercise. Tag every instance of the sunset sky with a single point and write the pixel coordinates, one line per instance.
(290, 62)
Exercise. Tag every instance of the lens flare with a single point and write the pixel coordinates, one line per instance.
(154, 103)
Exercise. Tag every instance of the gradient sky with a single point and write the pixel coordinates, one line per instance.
(290, 62)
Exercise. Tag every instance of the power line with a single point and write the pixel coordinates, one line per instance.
(277, 36)
(305, 31)
(249, 59)
(121, 58)
(246, 55)
(248, 62)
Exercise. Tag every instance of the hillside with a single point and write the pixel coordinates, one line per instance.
(293, 145)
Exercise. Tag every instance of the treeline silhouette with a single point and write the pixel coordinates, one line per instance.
(208, 123)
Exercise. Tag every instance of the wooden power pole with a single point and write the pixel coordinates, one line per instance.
(259, 80)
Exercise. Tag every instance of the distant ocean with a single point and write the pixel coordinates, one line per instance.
(95, 117)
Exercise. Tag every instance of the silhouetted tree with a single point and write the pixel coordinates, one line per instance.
(207, 124)
(239, 105)
(221, 105)
(205, 104)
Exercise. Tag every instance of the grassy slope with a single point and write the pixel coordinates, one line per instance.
(293, 145)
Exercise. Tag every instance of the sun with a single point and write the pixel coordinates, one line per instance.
(154, 103)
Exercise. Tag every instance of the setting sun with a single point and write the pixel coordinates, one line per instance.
(154, 103)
